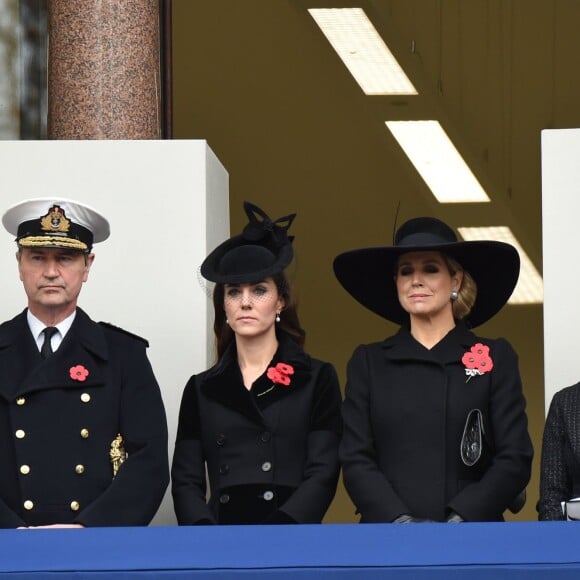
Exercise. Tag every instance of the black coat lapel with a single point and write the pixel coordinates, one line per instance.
(402, 346)
(224, 384)
(452, 348)
(23, 371)
(18, 354)
(291, 354)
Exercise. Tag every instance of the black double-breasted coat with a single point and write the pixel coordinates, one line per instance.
(560, 466)
(57, 427)
(404, 416)
(270, 458)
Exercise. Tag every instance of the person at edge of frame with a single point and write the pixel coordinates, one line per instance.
(435, 427)
(265, 419)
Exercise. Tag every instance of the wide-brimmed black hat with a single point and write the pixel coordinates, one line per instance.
(260, 251)
(368, 273)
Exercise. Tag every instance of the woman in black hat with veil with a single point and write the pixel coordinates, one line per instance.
(265, 420)
(434, 416)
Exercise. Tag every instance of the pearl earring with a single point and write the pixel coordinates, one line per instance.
(227, 322)
(454, 295)
(277, 316)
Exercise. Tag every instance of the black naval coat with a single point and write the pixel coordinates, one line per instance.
(56, 429)
(405, 414)
(270, 458)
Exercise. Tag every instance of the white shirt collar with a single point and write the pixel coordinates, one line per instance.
(36, 327)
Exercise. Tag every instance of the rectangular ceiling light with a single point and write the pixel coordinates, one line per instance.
(438, 162)
(363, 51)
(530, 286)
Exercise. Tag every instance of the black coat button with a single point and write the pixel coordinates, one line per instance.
(221, 439)
(224, 468)
(265, 436)
(224, 498)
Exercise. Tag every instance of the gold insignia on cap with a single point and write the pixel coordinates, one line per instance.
(55, 220)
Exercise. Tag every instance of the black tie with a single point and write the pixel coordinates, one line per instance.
(46, 349)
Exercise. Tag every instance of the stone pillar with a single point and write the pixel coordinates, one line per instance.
(104, 69)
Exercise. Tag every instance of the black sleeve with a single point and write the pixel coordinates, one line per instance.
(309, 502)
(555, 482)
(188, 470)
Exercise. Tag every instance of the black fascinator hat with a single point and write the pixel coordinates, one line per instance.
(368, 273)
(260, 251)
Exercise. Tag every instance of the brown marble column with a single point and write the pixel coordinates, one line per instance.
(104, 69)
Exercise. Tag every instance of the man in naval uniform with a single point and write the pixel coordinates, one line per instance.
(83, 433)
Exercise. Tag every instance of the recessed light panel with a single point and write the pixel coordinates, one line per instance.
(363, 51)
(438, 162)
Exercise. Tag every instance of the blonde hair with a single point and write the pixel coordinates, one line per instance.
(467, 293)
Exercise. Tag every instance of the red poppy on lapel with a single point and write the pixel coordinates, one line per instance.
(477, 361)
(280, 374)
(78, 373)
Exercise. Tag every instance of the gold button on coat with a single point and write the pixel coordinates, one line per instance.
(85, 397)
(74, 506)
(80, 469)
(20, 434)
(84, 433)
(28, 505)
(20, 401)
(25, 469)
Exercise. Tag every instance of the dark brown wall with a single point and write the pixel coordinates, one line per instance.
(260, 83)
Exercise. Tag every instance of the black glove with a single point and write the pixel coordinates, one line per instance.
(454, 518)
(409, 519)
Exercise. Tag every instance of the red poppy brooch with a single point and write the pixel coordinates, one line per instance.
(78, 373)
(279, 375)
(477, 361)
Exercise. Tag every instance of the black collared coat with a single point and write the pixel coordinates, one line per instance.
(404, 415)
(271, 458)
(56, 430)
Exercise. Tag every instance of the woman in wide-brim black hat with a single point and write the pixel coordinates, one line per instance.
(434, 417)
(265, 419)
